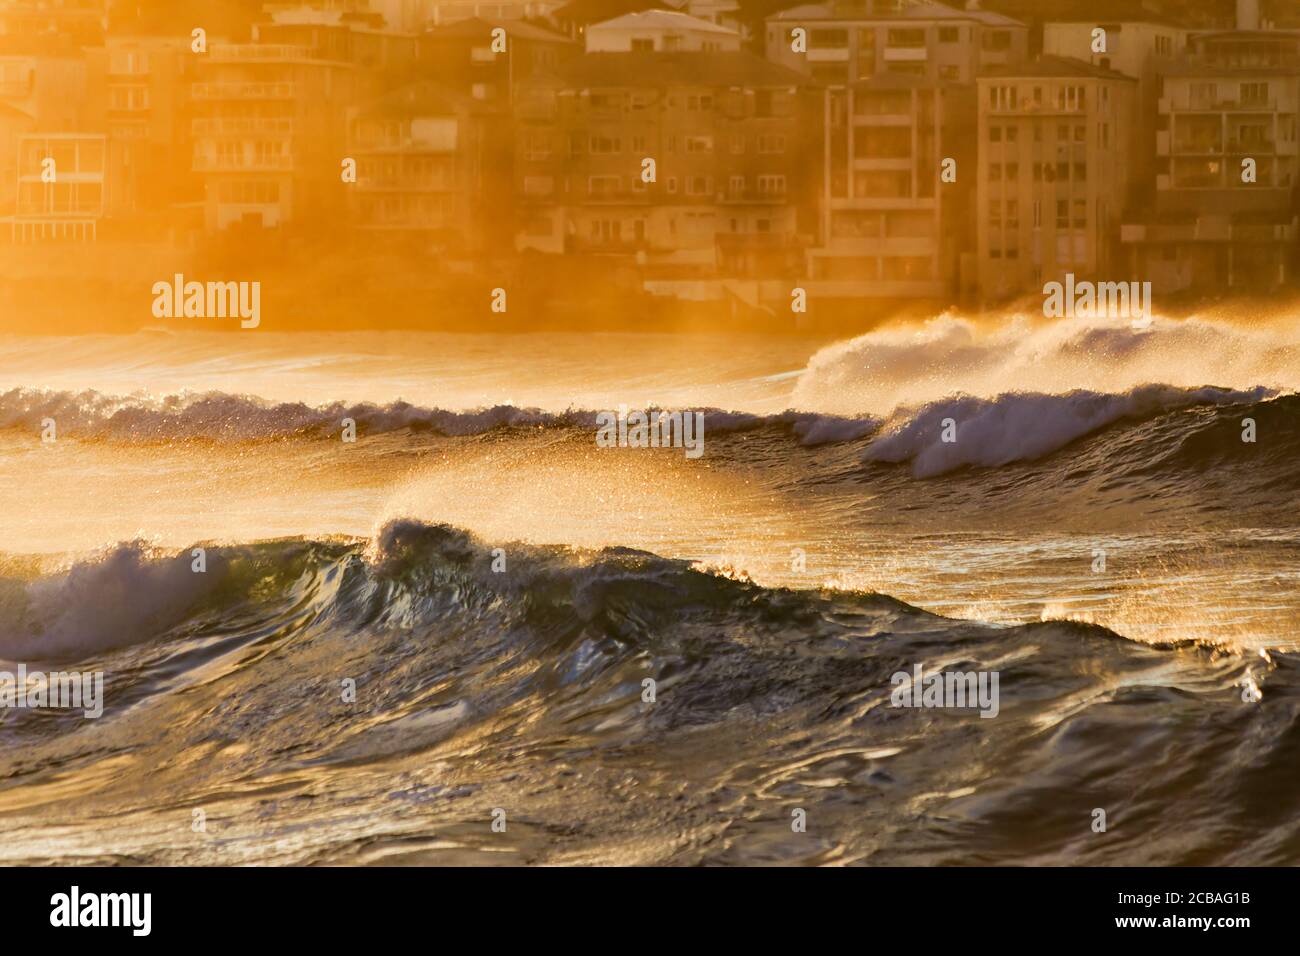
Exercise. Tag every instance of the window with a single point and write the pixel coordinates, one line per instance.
(949, 35)
(603, 185)
(129, 98)
(1002, 97)
(906, 38)
(770, 144)
(1071, 98)
(823, 39)
(133, 62)
(995, 134)
(700, 102)
(698, 144)
(1254, 94)
(604, 145)
(771, 185)
(643, 45)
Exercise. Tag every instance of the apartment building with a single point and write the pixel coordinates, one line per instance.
(269, 134)
(1212, 225)
(846, 41)
(433, 167)
(138, 94)
(49, 86)
(1142, 49)
(891, 228)
(727, 133)
(659, 31)
(383, 57)
(61, 181)
(899, 100)
(1053, 143)
(44, 116)
(453, 11)
(406, 16)
(76, 21)
(465, 56)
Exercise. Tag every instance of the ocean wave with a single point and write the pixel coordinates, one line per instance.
(883, 370)
(218, 416)
(621, 693)
(968, 431)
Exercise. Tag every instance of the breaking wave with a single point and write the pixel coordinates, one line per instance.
(480, 686)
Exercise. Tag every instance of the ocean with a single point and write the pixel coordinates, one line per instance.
(476, 635)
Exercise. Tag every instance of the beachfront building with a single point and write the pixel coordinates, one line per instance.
(76, 21)
(48, 85)
(1053, 144)
(433, 167)
(1224, 211)
(465, 56)
(726, 133)
(1140, 48)
(61, 183)
(899, 95)
(891, 229)
(659, 31)
(453, 11)
(846, 41)
(269, 132)
(138, 95)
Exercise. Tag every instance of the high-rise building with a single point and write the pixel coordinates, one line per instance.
(1224, 212)
(1053, 147)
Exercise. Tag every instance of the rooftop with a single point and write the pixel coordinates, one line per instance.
(910, 10)
(661, 20)
(1056, 66)
(677, 69)
(479, 28)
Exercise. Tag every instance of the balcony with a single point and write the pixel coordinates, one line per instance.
(1197, 147)
(258, 53)
(206, 163)
(1253, 147)
(906, 54)
(1208, 229)
(1199, 104)
(244, 91)
(242, 126)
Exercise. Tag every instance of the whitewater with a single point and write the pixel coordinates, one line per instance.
(496, 589)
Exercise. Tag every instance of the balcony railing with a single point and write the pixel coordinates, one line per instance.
(217, 164)
(257, 53)
(241, 126)
(244, 91)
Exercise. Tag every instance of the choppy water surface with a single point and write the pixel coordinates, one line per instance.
(499, 589)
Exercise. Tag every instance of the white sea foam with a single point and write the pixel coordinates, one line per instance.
(1020, 427)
